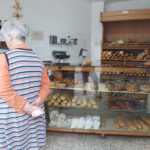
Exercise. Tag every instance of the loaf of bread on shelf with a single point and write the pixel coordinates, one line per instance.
(56, 95)
(142, 123)
(137, 123)
(119, 86)
(146, 119)
(132, 87)
(117, 126)
(95, 106)
(145, 88)
(121, 121)
(131, 125)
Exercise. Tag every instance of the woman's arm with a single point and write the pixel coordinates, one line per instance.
(45, 86)
(6, 90)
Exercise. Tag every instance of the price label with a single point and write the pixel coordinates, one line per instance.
(125, 12)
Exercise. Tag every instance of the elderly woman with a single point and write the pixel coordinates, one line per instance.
(24, 86)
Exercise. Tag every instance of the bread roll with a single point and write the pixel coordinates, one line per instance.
(95, 106)
(137, 123)
(117, 126)
(121, 121)
(143, 124)
(131, 125)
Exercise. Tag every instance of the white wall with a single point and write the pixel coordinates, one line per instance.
(60, 17)
(126, 5)
(96, 31)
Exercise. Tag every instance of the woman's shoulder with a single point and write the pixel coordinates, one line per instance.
(3, 59)
(2, 56)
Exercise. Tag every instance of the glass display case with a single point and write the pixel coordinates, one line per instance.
(114, 97)
(82, 100)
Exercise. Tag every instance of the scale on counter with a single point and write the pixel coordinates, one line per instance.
(61, 56)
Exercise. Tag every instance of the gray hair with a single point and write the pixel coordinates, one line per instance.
(14, 29)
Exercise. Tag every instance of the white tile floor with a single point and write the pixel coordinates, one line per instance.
(73, 141)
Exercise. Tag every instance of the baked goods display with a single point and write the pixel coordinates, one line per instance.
(66, 83)
(67, 99)
(124, 75)
(125, 96)
(132, 87)
(118, 55)
(129, 86)
(134, 123)
(123, 105)
(119, 85)
(125, 55)
(145, 55)
(127, 105)
(61, 120)
(145, 87)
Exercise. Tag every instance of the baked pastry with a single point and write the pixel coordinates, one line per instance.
(146, 119)
(131, 125)
(121, 105)
(113, 105)
(143, 124)
(145, 88)
(137, 123)
(121, 121)
(132, 87)
(117, 126)
(119, 85)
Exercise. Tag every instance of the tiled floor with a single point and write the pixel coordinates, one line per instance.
(73, 141)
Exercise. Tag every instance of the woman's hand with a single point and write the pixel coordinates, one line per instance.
(29, 108)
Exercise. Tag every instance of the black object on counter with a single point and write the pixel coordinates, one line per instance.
(60, 54)
(53, 39)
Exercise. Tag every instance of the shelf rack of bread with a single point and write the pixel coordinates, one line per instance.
(67, 99)
(123, 124)
(125, 43)
(118, 86)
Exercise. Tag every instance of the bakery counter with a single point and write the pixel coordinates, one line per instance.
(81, 101)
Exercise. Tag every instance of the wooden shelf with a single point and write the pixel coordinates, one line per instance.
(102, 132)
(125, 15)
(128, 46)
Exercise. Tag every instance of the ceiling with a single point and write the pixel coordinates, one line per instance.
(113, 0)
